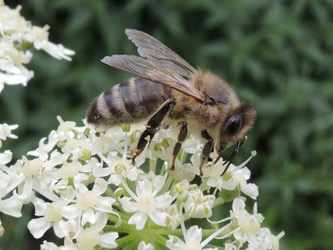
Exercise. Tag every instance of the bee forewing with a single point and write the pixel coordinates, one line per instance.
(142, 68)
(131, 64)
(159, 54)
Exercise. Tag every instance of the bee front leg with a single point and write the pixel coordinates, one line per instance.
(234, 153)
(207, 149)
(181, 138)
(152, 127)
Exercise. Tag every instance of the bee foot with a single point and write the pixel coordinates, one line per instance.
(133, 160)
(201, 173)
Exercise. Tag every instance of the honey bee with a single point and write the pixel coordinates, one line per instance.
(167, 88)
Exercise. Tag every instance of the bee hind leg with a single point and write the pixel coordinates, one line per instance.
(207, 149)
(181, 138)
(152, 127)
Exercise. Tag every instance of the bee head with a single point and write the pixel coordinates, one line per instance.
(236, 125)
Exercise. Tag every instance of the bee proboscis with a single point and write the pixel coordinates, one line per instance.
(167, 88)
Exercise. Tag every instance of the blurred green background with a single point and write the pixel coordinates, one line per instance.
(277, 54)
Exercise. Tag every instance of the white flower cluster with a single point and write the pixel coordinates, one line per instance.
(17, 36)
(83, 185)
(5, 158)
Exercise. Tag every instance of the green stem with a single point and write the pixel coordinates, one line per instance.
(159, 238)
(218, 202)
(152, 165)
(167, 185)
(124, 227)
(109, 192)
(125, 241)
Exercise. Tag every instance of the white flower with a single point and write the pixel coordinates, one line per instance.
(51, 217)
(144, 246)
(184, 171)
(193, 238)
(230, 246)
(182, 189)
(213, 177)
(6, 130)
(198, 205)
(2, 229)
(5, 157)
(39, 37)
(11, 74)
(236, 176)
(249, 189)
(89, 204)
(89, 238)
(262, 240)
(173, 217)
(11, 206)
(247, 223)
(44, 149)
(9, 179)
(51, 246)
(122, 168)
(146, 203)
(21, 177)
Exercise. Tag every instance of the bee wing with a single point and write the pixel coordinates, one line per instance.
(159, 54)
(143, 68)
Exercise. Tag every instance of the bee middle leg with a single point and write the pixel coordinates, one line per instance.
(207, 149)
(152, 127)
(181, 138)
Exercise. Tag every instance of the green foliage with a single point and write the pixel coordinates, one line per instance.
(278, 55)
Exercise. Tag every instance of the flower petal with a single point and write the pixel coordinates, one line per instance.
(164, 200)
(144, 188)
(158, 217)
(194, 233)
(38, 227)
(139, 219)
(11, 206)
(108, 240)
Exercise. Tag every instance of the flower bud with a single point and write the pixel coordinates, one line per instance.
(126, 127)
(229, 195)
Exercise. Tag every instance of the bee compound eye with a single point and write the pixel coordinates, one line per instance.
(233, 125)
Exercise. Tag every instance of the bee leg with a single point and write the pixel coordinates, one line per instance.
(207, 149)
(152, 127)
(234, 153)
(181, 138)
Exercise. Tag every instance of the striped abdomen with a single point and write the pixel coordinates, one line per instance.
(134, 100)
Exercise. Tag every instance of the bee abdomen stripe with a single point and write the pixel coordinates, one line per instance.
(126, 91)
(155, 93)
(112, 104)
